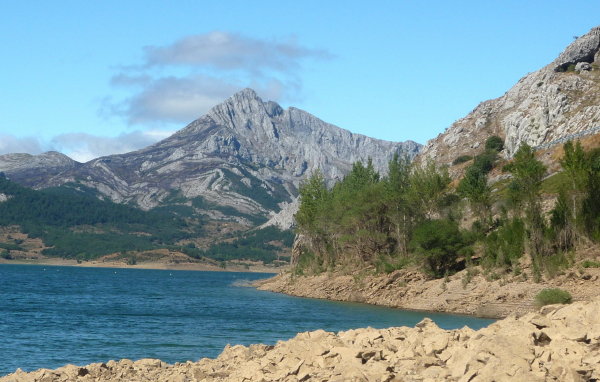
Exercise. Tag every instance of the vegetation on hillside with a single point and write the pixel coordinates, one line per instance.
(265, 244)
(73, 222)
(413, 215)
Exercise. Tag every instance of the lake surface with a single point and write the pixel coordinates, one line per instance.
(51, 316)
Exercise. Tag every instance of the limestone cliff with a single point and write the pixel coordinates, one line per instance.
(559, 101)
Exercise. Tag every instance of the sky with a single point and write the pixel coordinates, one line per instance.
(93, 78)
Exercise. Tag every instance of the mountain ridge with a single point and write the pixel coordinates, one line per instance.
(561, 99)
(245, 153)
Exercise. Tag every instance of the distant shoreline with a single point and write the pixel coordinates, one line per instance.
(157, 265)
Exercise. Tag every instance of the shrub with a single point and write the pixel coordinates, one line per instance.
(439, 243)
(553, 296)
(485, 161)
(494, 143)
(462, 159)
(505, 246)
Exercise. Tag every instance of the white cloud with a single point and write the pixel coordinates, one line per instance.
(84, 147)
(172, 99)
(231, 51)
(12, 144)
(218, 64)
(181, 100)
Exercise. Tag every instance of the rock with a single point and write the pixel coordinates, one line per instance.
(583, 49)
(540, 346)
(544, 108)
(583, 66)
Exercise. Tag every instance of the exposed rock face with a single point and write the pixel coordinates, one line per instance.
(582, 50)
(245, 153)
(542, 107)
(559, 343)
(32, 169)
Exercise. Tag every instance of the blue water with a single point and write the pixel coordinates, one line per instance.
(51, 316)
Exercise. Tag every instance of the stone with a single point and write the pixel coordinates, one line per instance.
(544, 109)
(583, 66)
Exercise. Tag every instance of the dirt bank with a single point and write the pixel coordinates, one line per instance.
(466, 292)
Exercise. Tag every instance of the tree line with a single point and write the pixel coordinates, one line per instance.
(412, 215)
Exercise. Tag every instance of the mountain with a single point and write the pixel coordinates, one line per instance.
(35, 169)
(245, 157)
(546, 107)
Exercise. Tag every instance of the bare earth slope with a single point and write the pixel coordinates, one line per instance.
(560, 343)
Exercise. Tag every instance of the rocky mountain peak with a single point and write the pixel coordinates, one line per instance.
(245, 159)
(23, 161)
(248, 114)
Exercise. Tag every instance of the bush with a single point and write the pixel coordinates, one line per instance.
(462, 159)
(505, 246)
(485, 161)
(439, 243)
(494, 143)
(553, 296)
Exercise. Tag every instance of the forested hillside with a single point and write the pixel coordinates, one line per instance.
(73, 222)
(416, 215)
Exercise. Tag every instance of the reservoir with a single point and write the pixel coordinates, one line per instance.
(51, 316)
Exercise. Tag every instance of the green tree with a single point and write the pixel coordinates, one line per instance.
(428, 187)
(400, 211)
(528, 173)
(577, 166)
(591, 202)
(494, 143)
(312, 193)
(474, 187)
(438, 243)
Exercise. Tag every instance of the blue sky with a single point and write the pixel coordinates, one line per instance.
(91, 78)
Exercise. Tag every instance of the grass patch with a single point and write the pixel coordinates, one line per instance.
(590, 264)
(462, 159)
(554, 183)
(551, 296)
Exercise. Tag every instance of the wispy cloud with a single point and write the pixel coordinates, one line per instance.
(229, 51)
(214, 65)
(84, 147)
(12, 144)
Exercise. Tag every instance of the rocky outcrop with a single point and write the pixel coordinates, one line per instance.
(245, 153)
(582, 50)
(544, 106)
(31, 170)
(558, 343)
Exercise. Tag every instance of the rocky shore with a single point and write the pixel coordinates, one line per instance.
(557, 343)
(466, 292)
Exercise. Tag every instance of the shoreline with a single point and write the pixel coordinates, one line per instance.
(156, 265)
(411, 290)
(559, 342)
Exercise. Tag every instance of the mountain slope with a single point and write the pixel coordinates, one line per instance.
(244, 154)
(560, 100)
